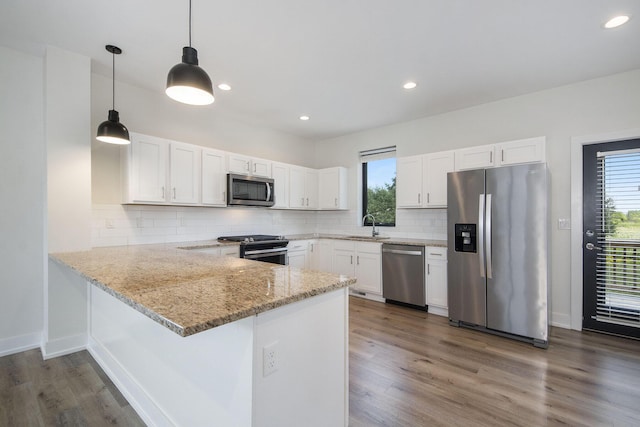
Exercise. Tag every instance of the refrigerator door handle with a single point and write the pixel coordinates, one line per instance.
(488, 237)
(481, 233)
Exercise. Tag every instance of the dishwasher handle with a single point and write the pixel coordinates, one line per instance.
(401, 252)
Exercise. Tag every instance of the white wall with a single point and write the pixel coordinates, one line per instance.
(596, 106)
(22, 190)
(67, 132)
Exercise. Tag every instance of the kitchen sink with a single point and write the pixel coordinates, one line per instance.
(368, 237)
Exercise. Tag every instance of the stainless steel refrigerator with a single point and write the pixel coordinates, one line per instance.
(497, 266)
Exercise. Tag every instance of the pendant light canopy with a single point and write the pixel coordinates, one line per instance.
(187, 82)
(111, 130)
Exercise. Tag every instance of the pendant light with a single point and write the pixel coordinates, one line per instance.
(111, 130)
(187, 82)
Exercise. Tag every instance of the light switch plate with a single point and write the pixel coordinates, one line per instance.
(564, 224)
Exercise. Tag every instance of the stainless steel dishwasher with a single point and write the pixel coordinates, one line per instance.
(403, 274)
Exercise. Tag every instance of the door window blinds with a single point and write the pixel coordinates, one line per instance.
(618, 238)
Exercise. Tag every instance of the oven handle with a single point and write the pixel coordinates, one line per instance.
(264, 251)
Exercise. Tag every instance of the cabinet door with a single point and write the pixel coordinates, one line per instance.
(333, 188)
(296, 188)
(436, 167)
(409, 182)
(261, 167)
(475, 157)
(239, 164)
(298, 259)
(311, 189)
(148, 169)
(280, 175)
(368, 272)
(214, 178)
(185, 173)
(343, 262)
(531, 150)
(320, 255)
(230, 250)
(436, 277)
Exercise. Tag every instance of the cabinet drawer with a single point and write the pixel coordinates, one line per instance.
(436, 253)
(370, 248)
(344, 245)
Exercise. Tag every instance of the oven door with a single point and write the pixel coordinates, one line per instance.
(274, 255)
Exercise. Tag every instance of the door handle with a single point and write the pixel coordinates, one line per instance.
(481, 234)
(488, 238)
(590, 246)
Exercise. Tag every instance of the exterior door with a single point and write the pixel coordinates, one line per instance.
(611, 238)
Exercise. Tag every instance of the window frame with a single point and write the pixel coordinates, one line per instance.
(365, 158)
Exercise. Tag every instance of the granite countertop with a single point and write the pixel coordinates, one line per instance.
(190, 292)
(378, 239)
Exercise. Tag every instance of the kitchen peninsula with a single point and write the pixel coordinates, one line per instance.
(194, 339)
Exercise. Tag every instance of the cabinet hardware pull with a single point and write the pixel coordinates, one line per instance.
(248, 169)
(432, 254)
(490, 157)
(351, 259)
(307, 201)
(418, 198)
(502, 155)
(254, 168)
(358, 260)
(174, 193)
(335, 202)
(428, 269)
(427, 197)
(163, 196)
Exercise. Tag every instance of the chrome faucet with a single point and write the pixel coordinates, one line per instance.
(374, 233)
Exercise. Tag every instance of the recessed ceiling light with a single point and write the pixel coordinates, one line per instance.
(410, 85)
(224, 86)
(617, 21)
(304, 118)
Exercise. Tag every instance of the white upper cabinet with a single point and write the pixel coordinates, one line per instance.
(280, 175)
(214, 177)
(333, 188)
(184, 160)
(475, 157)
(303, 188)
(161, 171)
(144, 163)
(530, 150)
(436, 167)
(245, 165)
(409, 182)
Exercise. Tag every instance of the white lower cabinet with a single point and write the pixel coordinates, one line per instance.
(436, 280)
(321, 255)
(226, 250)
(297, 252)
(362, 260)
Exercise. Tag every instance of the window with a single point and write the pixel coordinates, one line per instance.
(379, 186)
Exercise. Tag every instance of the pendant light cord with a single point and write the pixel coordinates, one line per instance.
(189, 23)
(113, 80)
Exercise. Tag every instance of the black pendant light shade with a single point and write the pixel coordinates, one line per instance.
(111, 130)
(187, 82)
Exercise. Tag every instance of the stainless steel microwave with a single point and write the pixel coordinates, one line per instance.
(247, 190)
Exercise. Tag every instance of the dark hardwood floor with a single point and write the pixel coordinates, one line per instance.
(409, 368)
(406, 368)
(66, 391)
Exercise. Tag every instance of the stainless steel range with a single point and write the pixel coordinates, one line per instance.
(261, 247)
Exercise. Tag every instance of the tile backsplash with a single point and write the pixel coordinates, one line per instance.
(115, 224)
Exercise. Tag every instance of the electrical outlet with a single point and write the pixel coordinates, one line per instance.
(109, 223)
(270, 359)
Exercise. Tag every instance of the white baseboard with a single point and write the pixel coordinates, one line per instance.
(63, 346)
(561, 320)
(137, 397)
(13, 345)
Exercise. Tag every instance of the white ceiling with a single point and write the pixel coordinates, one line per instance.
(342, 62)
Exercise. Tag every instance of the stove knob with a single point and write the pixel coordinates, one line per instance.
(251, 239)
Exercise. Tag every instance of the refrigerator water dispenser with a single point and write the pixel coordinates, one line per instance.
(465, 238)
